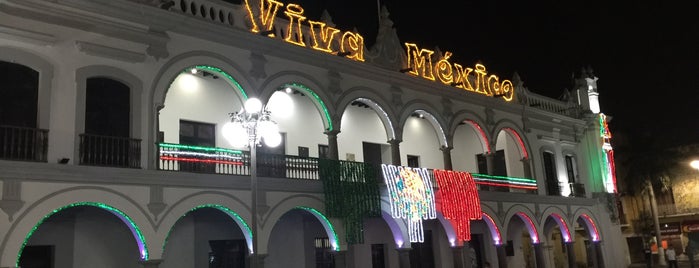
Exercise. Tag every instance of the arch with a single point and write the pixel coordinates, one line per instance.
(591, 226)
(374, 101)
(523, 152)
(562, 225)
(177, 65)
(304, 83)
(37, 212)
(398, 228)
(494, 230)
(202, 60)
(133, 227)
(135, 91)
(476, 122)
(234, 216)
(449, 230)
(425, 109)
(45, 69)
(329, 229)
(526, 219)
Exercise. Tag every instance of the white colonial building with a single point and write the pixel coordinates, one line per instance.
(113, 154)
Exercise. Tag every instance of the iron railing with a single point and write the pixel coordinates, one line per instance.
(23, 143)
(98, 150)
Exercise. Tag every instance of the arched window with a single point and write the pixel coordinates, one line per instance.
(20, 139)
(106, 141)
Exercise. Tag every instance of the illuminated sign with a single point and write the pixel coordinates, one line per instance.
(472, 79)
(351, 45)
(411, 197)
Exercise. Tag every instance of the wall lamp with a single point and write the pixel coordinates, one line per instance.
(63, 161)
(499, 95)
(343, 54)
(405, 70)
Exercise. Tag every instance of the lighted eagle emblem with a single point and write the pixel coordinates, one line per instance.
(411, 196)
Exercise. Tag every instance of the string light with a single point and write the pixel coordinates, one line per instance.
(501, 181)
(458, 200)
(411, 197)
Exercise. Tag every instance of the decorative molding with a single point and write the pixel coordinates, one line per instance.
(11, 201)
(258, 62)
(156, 204)
(22, 35)
(97, 50)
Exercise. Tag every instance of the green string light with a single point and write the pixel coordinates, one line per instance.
(318, 99)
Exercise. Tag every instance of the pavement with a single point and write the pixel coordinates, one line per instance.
(682, 264)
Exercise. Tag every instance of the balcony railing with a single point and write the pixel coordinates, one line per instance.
(23, 143)
(97, 150)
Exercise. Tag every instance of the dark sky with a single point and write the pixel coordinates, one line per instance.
(645, 53)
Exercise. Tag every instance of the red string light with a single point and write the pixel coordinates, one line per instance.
(458, 200)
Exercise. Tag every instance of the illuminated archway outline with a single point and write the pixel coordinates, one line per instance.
(135, 230)
(329, 229)
(485, 143)
(317, 98)
(565, 232)
(591, 227)
(224, 74)
(494, 230)
(234, 216)
(533, 233)
(519, 140)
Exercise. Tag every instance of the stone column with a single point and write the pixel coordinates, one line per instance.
(570, 249)
(395, 151)
(404, 257)
(153, 263)
(539, 255)
(502, 255)
(526, 163)
(446, 153)
(460, 259)
(599, 261)
(489, 159)
(332, 144)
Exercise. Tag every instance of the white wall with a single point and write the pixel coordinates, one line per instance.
(303, 125)
(360, 125)
(423, 141)
(103, 240)
(467, 144)
(194, 98)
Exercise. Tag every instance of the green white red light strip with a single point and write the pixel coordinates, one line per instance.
(200, 154)
(502, 181)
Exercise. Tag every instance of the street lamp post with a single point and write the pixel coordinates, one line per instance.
(248, 127)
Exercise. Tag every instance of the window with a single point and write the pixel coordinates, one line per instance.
(571, 169)
(324, 257)
(413, 161)
(19, 95)
(199, 134)
(378, 259)
(552, 186)
(107, 107)
(323, 151)
(303, 151)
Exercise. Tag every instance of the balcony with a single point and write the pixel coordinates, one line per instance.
(98, 150)
(199, 159)
(23, 143)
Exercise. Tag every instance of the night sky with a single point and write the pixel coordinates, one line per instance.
(645, 54)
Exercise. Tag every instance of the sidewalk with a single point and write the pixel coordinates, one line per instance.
(682, 263)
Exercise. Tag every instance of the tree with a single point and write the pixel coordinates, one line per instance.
(646, 166)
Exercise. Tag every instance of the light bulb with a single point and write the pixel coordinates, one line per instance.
(273, 139)
(267, 127)
(253, 105)
(235, 134)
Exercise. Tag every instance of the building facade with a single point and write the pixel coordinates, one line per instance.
(112, 152)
